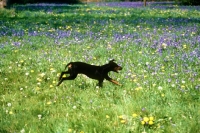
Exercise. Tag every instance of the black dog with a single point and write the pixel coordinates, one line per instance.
(95, 72)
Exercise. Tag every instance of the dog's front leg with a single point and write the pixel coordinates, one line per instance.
(100, 83)
(111, 80)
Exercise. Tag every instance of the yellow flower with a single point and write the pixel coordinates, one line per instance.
(134, 115)
(123, 121)
(10, 112)
(32, 71)
(64, 76)
(107, 116)
(142, 122)
(51, 69)
(48, 103)
(145, 119)
(151, 118)
(150, 122)
(120, 117)
(70, 130)
(51, 86)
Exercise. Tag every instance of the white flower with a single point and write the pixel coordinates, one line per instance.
(160, 88)
(22, 131)
(39, 116)
(9, 104)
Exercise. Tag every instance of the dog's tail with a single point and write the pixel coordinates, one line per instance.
(69, 65)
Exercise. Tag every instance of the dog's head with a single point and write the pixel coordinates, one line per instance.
(114, 66)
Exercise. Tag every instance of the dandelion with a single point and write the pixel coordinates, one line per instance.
(51, 86)
(70, 130)
(10, 112)
(151, 118)
(134, 115)
(64, 76)
(54, 82)
(138, 88)
(123, 121)
(48, 103)
(142, 122)
(182, 86)
(107, 116)
(150, 122)
(146, 119)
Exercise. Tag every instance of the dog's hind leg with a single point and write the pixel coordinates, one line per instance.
(71, 77)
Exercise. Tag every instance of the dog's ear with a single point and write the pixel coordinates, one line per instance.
(112, 60)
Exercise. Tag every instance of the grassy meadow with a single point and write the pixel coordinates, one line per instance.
(158, 47)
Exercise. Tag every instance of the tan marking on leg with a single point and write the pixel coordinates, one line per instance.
(70, 66)
(115, 82)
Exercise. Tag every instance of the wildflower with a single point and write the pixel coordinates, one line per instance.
(22, 131)
(173, 85)
(184, 46)
(81, 131)
(164, 45)
(183, 82)
(151, 118)
(10, 112)
(107, 116)
(32, 71)
(142, 122)
(145, 119)
(9, 104)
(150, 122)
(160, 88)
(70, 130)
(39, 116)
(39, 80)
(27, 74)
(120, 117)
(51, 86)
(64, 76)
(42, 74)
(134, 115)
(182, 86)
(138, 88)
(48, 103)
(123, 121)
(162, 94)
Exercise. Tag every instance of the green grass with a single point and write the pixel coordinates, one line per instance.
(157, 48)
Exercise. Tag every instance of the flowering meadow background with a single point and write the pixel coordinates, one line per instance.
(158, 47)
